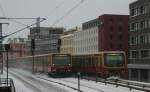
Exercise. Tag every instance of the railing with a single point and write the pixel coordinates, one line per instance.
(7, 85)
(124, 83)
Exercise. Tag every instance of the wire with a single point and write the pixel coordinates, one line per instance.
(27, 26)
(17, 22)
(22, 29)
(67, 13)
(53, 10)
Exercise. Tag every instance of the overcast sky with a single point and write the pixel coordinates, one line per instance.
(87, 10)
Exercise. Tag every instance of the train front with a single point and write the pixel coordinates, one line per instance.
(115, 63)
(61, 64)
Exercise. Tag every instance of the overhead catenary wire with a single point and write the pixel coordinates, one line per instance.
(22, 29)
(68, 12)
(27, 26)
(12, 20)
(54, 9)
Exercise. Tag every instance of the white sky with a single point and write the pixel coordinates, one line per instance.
(88, 10)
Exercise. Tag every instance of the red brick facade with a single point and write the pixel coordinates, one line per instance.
(113, 33)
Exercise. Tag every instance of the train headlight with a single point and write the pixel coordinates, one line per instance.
(69, 64)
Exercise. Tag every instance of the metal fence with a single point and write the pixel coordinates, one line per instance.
(7, 85)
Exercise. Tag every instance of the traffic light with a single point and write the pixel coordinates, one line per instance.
(7, 47)
(59, 42)
(32, 43)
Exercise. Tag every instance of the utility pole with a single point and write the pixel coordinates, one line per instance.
(38, 21)
(1, 47)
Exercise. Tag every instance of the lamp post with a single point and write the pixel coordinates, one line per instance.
(7, 48)
(32, 52)
(79, 81)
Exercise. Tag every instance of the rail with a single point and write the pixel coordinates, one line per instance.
(124, 83)
(7, 85)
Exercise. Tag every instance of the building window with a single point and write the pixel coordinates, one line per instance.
(111, 46)
(134, 12)
(143, 39)
(120, 28)
(133, 40)
(135, 54)
(120, 37)
(111, 37)
(120, 46)
(132, 27)
(143, 9)
(111, 28)
(142, 24)
(144, 53)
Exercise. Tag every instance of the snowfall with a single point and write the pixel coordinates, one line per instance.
(25, 81)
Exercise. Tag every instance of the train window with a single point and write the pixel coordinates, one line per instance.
(88, 60)
(79, 60)
(83, 61)
(92, 60)
(96, 61)
(61, 60)
(114, 60)
(74, 62)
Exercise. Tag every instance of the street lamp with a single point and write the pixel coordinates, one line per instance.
(7, 48)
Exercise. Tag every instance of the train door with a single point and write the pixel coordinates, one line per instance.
(49, 62)
(93, 63)
(98, 63)
(75, 63)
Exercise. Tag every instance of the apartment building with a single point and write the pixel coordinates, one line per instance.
(139, 41)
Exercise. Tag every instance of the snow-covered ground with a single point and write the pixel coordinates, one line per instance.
(86, 86)
(19, 85)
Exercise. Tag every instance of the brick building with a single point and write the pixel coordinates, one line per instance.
(18, 48)
(105, 33)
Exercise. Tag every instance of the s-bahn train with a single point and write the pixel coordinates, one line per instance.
(59, 64)
(103, 64)
(53, 64)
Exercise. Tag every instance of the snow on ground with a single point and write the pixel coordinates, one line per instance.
(19, 86)
(92, 84)
(86, 86)
(28, 74)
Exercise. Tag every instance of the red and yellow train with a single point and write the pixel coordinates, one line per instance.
(102, 63)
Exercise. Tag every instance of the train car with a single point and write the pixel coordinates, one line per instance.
(104, 63)
(59, 65)
(36, 63)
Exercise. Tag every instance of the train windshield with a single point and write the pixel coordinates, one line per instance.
(114, 59)
(61, 60)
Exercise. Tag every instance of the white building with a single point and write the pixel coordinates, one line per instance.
(67, 40)
(86, 41)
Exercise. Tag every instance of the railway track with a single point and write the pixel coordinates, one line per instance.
(117, 82)
(121, 82)
(41, 87)
(60, 83)
(83, 85)
(28, 84)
